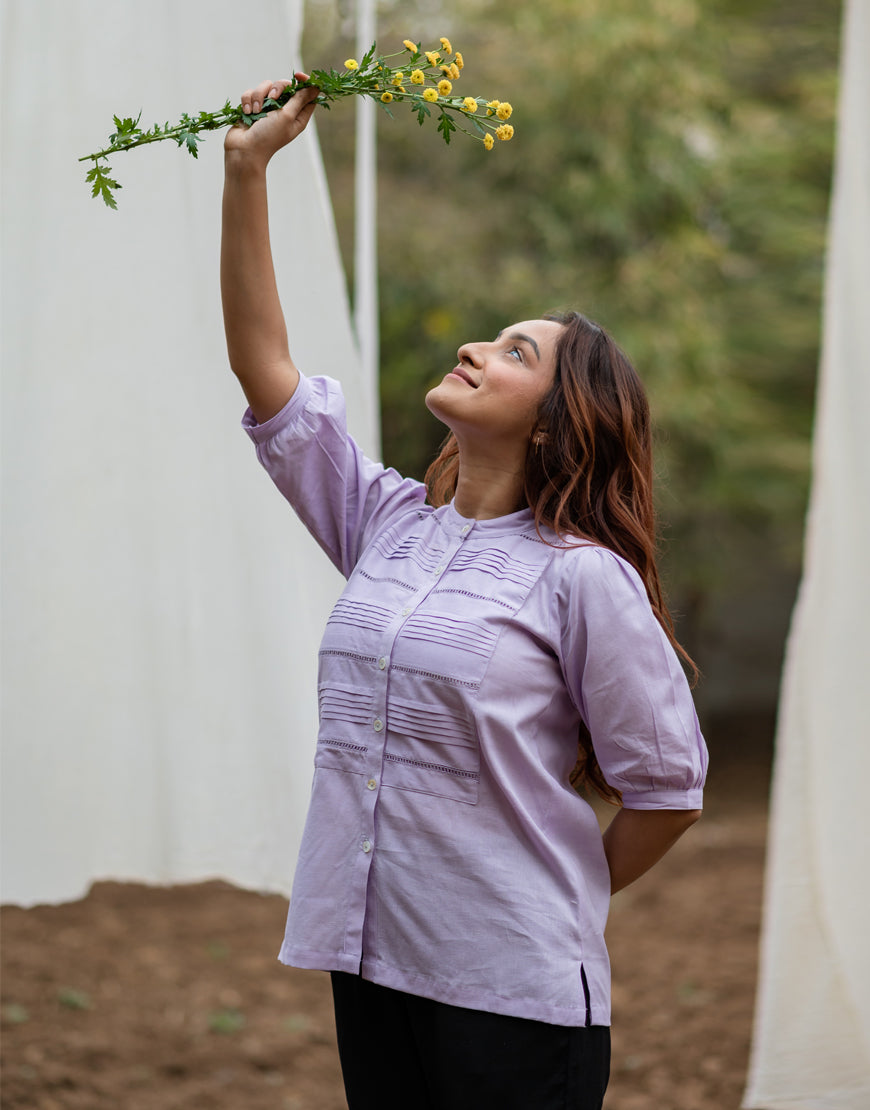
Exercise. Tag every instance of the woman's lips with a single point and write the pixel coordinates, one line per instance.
(459, 372)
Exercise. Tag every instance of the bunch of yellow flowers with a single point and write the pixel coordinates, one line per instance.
(424, 79)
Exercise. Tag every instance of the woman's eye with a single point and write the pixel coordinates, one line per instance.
(516, 353)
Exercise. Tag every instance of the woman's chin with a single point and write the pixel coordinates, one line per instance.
(436, 404)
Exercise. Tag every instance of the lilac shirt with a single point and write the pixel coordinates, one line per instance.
(445, 853)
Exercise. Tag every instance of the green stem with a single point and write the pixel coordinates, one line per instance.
(217, 121)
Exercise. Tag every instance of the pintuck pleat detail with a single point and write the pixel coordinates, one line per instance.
(352, 706)
(429, 723)
(361, 614)
(411, 549)
(453, 633)
(498, 565)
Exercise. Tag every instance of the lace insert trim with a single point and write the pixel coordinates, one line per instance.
(432, 767)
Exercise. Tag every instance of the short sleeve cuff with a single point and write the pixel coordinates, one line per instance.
(262, 433)
(664, 799)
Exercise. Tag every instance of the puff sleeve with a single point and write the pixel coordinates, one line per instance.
(342, 497)
(628, 685)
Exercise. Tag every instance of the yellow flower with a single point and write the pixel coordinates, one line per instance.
(469, 104)
(460, 64)
(453, 71)
(431, 95)
(491, 106)
(351, 64)
(488, 142)
(433, 57)
(503, 111)
(386, 97)
(408, 45)
(397, 79)
(505, 132)
(446, 47)
(445, 88)
(417, 77)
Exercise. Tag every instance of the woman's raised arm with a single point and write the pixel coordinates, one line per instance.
(253, 320)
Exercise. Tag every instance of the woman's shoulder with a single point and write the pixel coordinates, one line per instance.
(579, 555)
(586, 568)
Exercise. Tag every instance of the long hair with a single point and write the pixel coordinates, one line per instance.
(588, 475)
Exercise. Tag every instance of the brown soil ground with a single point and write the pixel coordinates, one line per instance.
(148, 998)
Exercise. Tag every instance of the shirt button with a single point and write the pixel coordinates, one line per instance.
(439, 570)
(377, 724)
(366, 845)
(406, 610)
(466, 528)
(372, 784)
(382, 662)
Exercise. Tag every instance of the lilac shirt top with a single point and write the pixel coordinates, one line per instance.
(445, 853)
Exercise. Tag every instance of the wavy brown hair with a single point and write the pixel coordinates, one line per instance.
(589, 475)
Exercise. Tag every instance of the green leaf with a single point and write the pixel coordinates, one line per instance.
(188, 139)
(446, 126)
(127, 126)
(102, 184)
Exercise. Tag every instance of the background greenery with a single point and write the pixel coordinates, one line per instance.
(670, 177)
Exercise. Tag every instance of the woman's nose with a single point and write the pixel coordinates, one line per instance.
(470, 352)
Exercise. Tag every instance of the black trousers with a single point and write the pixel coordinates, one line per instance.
(402, 1052)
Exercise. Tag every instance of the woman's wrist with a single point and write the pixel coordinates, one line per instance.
(245, 164)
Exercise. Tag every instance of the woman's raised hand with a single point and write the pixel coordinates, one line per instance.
(262, 139)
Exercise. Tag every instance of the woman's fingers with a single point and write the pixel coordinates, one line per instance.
(252, 99)
(274, 129)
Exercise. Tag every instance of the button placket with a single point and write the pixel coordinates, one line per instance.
(425, 587)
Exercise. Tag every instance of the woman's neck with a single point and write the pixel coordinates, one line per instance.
(487, 489)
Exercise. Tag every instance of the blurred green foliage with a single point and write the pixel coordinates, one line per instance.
(226, 1021)
(73, 999)
(669, 177)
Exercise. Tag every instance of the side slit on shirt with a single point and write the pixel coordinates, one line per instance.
(586, 997)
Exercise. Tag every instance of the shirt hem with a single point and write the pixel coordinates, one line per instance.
(452, 994)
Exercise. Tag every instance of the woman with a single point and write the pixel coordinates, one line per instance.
(450, 877)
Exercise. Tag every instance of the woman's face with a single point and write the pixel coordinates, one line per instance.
(494, 393)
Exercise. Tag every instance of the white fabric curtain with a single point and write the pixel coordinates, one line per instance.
(811, 1047)
(161, 605)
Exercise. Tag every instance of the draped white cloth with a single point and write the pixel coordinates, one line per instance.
(161, 606)
(811, 1047)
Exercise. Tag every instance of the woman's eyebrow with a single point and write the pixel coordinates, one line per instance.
(519, 336)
